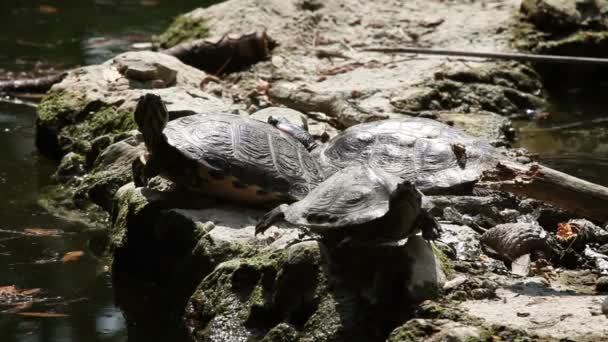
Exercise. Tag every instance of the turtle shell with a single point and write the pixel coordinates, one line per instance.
(433, 155)
(232, 152)
(354, 197)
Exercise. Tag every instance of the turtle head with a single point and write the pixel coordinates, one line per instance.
(300, 133)
(151, 117)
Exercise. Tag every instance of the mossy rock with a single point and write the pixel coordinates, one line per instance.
(501, 88)
(307, 292)
(68, 122)
(184, 28)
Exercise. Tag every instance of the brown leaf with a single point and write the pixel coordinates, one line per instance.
(30, 292)
(8, 290)
(13, 290)
(43, 232)
(41, 314)
(565, 232)
(47, 9)
(72, 256)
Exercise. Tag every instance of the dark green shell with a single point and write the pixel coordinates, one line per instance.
(431, 154)
(247, 151)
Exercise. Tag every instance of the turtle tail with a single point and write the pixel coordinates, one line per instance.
(151, 117)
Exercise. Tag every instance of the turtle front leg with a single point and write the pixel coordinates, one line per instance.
(431, 229)
(275, 215)
(143, 171)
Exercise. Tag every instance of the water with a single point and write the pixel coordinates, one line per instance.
(574, 137)
(62, 33)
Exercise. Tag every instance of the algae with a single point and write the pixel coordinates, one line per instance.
(184, 28)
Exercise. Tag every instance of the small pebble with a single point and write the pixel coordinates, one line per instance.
(602, 284)
(605, 307)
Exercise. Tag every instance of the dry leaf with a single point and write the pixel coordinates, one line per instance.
(30, 292)
(8, 290)
(13, 290)
(565, 232)
(43, 232)
(47, 9)
(72, 256)
(41, 314)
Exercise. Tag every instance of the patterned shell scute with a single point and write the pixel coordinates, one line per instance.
(416, 149)
(252, 151)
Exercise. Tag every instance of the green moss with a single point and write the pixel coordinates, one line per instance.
(581, 43)
(281, 333)
(59, 201)
(104, 121)
(60, 108)
(184, 28)
(412, 331)
(444, 260)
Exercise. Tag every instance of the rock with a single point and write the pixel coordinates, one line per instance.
(602, 284)
(512, 240)
(326, 294)
(570, 28)
(604, 307)
(435, 330)
(600, 260)
(463, 239)
(184, 28)
(98, 100)
(563, 15)
(488, 125)
(72, 165)
(111, 170)
(90, 113)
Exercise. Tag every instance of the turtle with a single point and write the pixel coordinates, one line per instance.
(223, 155)
(362, 202)
(438, 158)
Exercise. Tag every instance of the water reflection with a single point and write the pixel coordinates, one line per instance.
(60, 33)
(574, 137)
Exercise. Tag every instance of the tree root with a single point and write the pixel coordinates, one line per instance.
(343, 113)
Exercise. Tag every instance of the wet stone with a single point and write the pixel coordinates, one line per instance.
(602, 284)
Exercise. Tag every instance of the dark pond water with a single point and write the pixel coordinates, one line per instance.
(574, 136)
(64, 33)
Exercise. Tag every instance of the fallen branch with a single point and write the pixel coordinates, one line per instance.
(552, 186)
(31, 85)
(226, 54)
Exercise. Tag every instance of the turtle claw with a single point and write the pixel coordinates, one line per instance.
(269, 219)
(430, 227)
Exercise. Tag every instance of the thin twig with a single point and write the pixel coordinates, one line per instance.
(524, 57)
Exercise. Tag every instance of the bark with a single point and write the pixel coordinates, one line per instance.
(555, 187)
(229, 53)
(31, 85)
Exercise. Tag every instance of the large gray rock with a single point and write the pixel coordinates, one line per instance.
(99, 100)
(270, 282)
